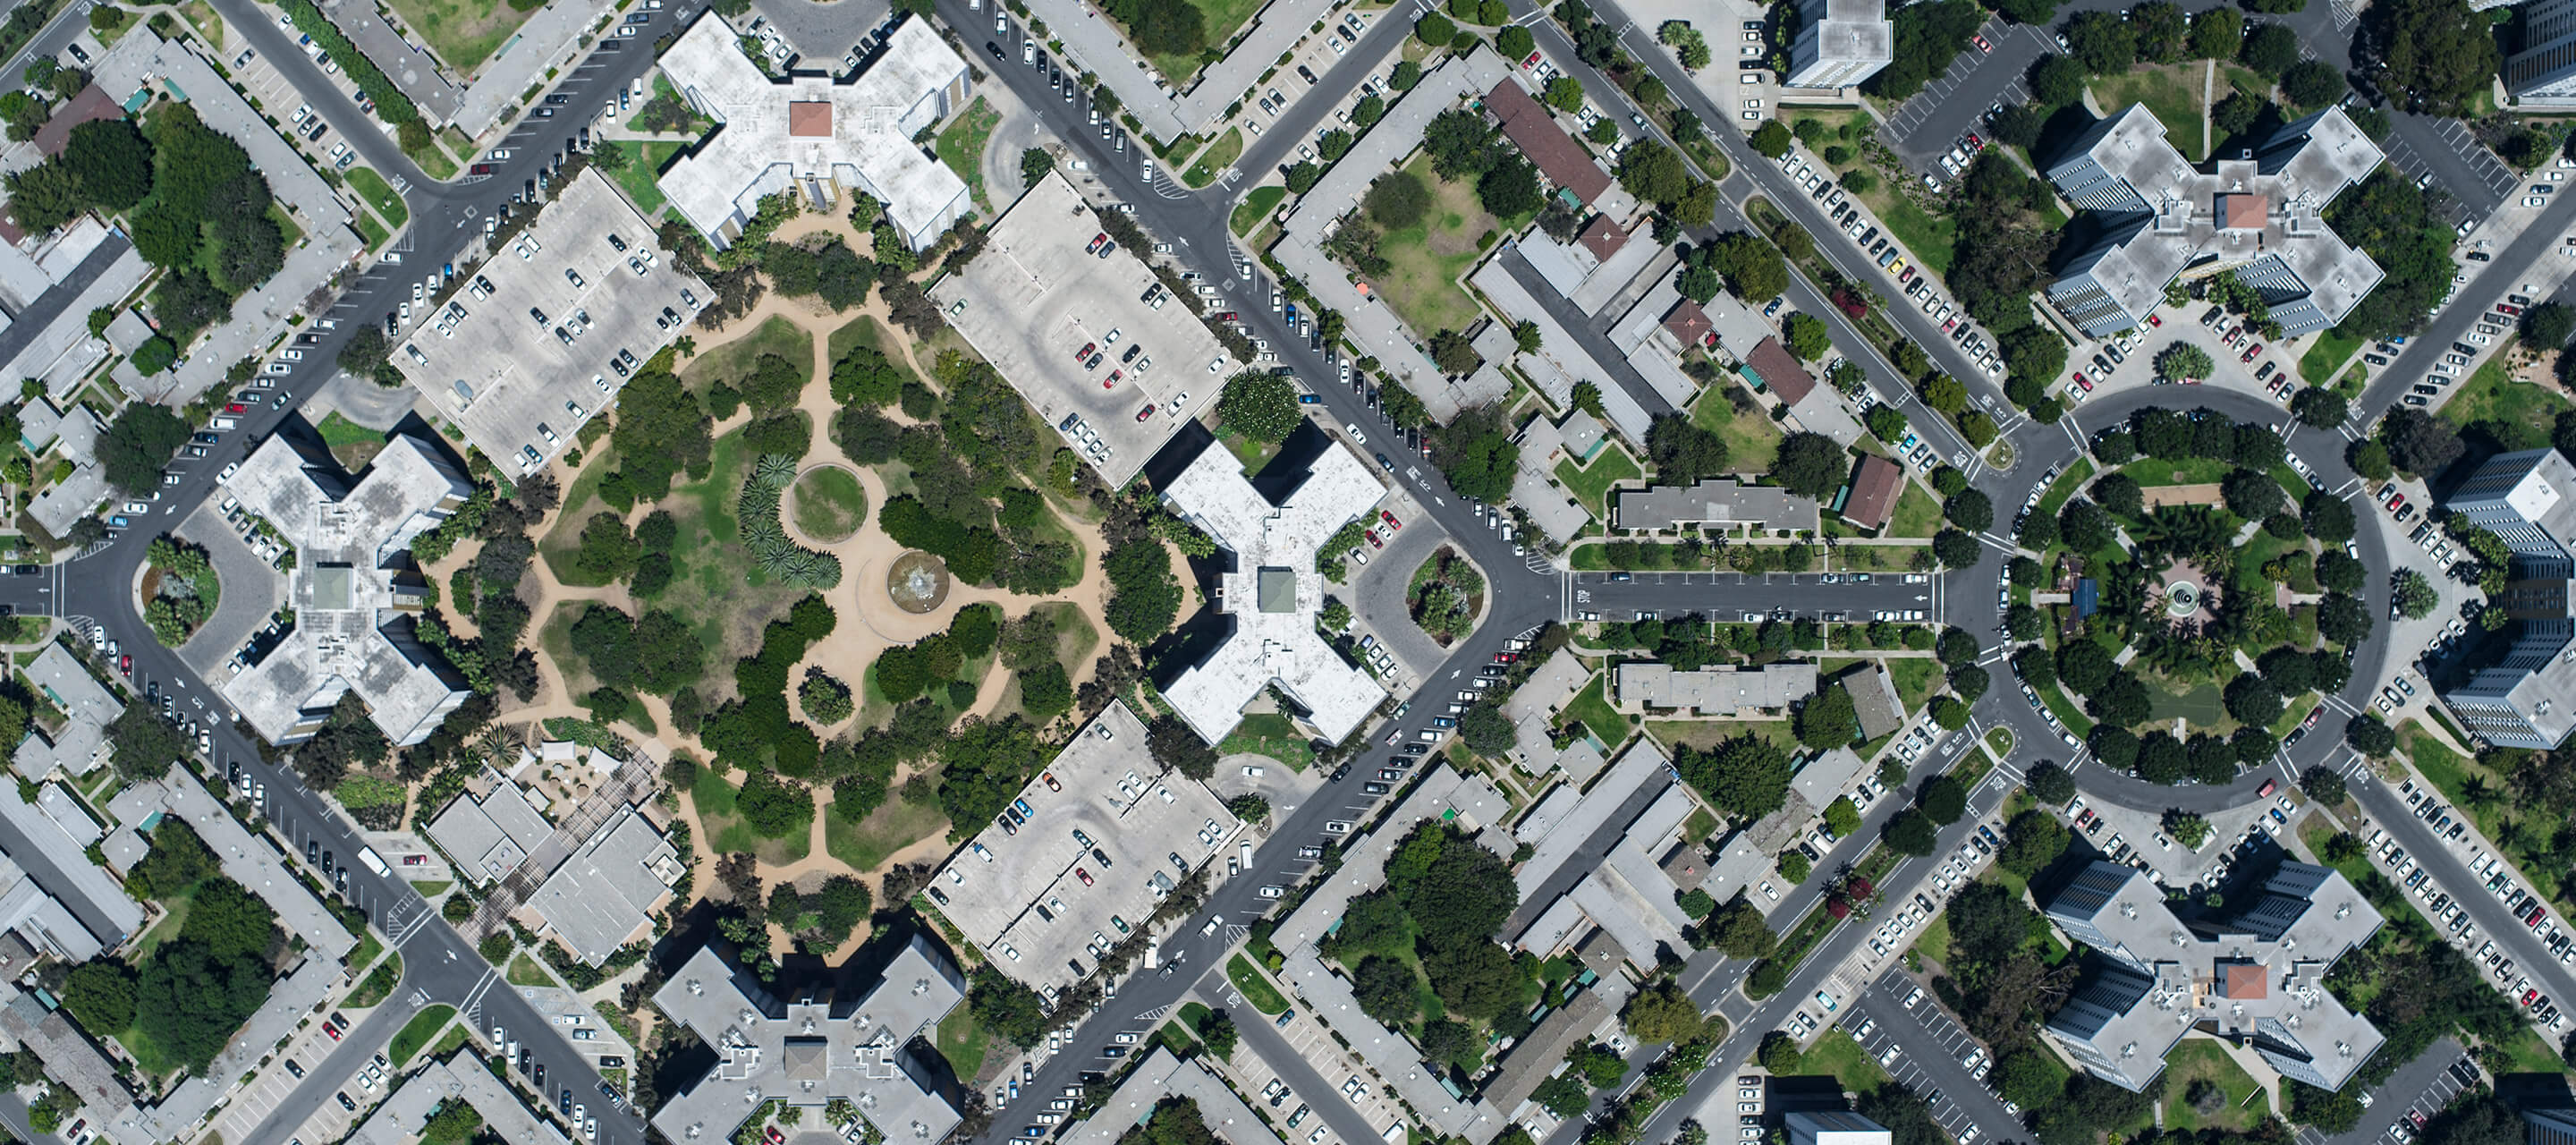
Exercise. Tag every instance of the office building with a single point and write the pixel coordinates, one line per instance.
(2554, 1126)
(1834, 1127)
(856, 1035)
(817, 134)
(2259, 213)
(1273, 593)
(2528, 698)
(2255, 977)
(353, 588)
(1840, 43)
(2543, 73)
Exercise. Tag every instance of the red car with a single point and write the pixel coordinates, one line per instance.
(125, 664)
(1096, 240)
(1390, 520)
(1228, 316)
(1373, 541)
(332, 1030)
(1980, 42)
(2529, 996)
(776, 1137)
(1974, 143)
(1531, 62)
(2152, 320)
(236, 407)
(1146, 412)
(1084, 875)
(2266, 792)
(1085, 351)
(479, 169)
(1111, 382)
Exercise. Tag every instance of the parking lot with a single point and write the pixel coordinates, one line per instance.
(545, 333)
(1062, 875)
(1957, 101)
(1902, 1026)
(253, 1103)
(1084, 330)
(273, 93)
(2444, 908)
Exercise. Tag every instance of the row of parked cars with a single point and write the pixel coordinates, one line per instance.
(2450, 915)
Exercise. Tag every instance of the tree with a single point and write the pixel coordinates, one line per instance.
(2343, 619)
(1397, 200)
(1144, 598)
(112, 161)
(2218, 34)
(2312, 83)
(2270, 49)
(2050, 784)
(1779, 1052)
(1739, 931)
(2323, 784)
(1745, 776)
(2326, 517)
(1827, 719)
(2369, 736)
(2414, 595)
(1944, 799)
(2548, 324)
(2434, 55)
(100, 993)
(1515, 42)
(1662, 1012)
(2104, 42)
(1683, 451)
(1260, 405)
(1771, 140)
(1005, 1007)
(1487, 730)
(1561, 1095)
(2033, 840)
(2419, 442)
(2320, 407)
(1911, 833)
(1509, 187)
(1384, 989)
(1806, 336)
(1753, 268)
(2184, 360)
(1970, 509)
(1842, 818)
(1476, 453)
(138, 443)
(2119, 494)
(1810, 465)
(2056, 81)
(1956, 549)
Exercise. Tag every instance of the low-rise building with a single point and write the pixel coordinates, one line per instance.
(850, 1035)
(1879, 710)
(353, 587)
(1722, 692)
(816, 133)
(486, 837)
(1834, 1127)
(1532, 128)
(1875, 487)
(604, 896)
(76, 741)
(1716, 502)
(1161, 1077)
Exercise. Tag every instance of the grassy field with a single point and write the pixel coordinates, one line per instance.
(643, 163)
(2067, 483)
(1914, 677)
(1075, 639)
(370, 230)
(1591, 707)
(727, 832)
(961, 147)
(1215, 157)
(963, 1043)
(1931, 237)
(378, 985)
(379, 195)
(2333, 349)
(1705, 734)
(829, 504)
(1425, 260)
(1591, 484)
(462, 32)
(2492, 395)
(2151, 472)
(2198, 703)
(417, 1033)
(2171, 91)
(1256, 206)
(1752, 440)
(735, 358)
(1270, 734)
(899, 823)
(1837, 1056)
(1916, 515)
(2194, 1059)
(524, 971)
(1255, 986)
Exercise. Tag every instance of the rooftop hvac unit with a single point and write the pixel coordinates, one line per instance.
(696, 987)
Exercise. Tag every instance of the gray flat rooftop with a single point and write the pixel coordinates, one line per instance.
(489, 837)
(608, 890)
(1034, 297)
(1162, 1076)
(1716, 691)
(1019, 893)
(505, 379)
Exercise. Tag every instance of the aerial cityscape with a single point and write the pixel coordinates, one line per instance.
(1289, 572)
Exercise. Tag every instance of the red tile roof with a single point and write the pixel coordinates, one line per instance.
(1873, 492)
(90, 104)
(1558, 156)
(807, 118)
(2244, 980)
(1781, 371)
(1603, 238)
(1687, 322)
(2244, 212)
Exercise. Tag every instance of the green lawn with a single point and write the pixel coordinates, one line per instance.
(1837, 1056)
(1214, 158)
(1931, 237)
(1591, 707)
(894, 825)
(2450, 772)
(417, 1033)
(370, 230)
(2067, 483)
(2170, 91)
(378, 986)
(338, 431)
(2333, 349)
(2490, 394)
(961, 147)
(1591, 484)
(640, 176)
(735, 359)
(524, 971)
(379, 195)
(1255, 986)
(727, 832)
(829, 504)
(1914, 677)
(1270, 734)
(1752, 440)
(2150, 472)
(1916, 515)
(2167, 699)
(462, 32)
(432, 888)
(1256, 206)
(1424, 261)
(963, 1043)
(2195, 1058)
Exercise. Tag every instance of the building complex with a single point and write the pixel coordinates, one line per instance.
(2255, 977)
(2150, 216)
(353, 588)
(2527, 699)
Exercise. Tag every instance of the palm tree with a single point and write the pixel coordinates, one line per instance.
(2477, 792)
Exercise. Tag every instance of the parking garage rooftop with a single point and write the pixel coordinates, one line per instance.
(1043, 289)
(1040, 900)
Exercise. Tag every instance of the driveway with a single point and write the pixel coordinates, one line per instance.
(251, 591)
(1376, 594)
(823, 32)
